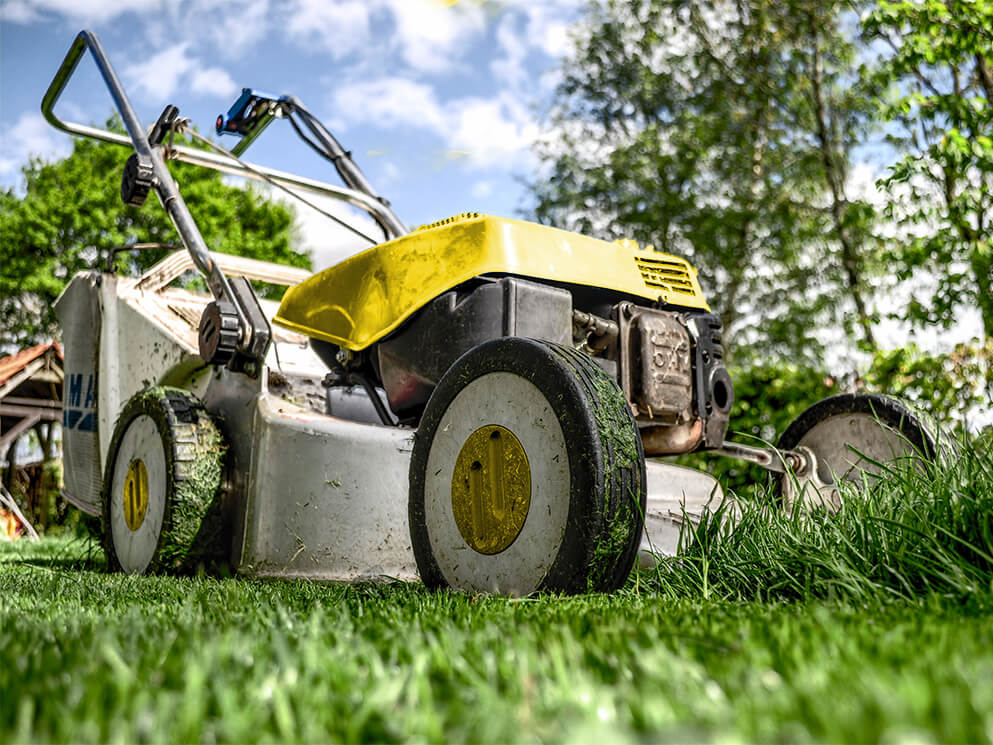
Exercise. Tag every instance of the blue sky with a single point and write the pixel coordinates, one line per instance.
(438, 100)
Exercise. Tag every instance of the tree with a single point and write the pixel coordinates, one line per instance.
(952, 388)
(834, 115)
(939, 68)
(71, 217)
(721, 132)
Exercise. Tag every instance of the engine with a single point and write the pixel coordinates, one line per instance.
(668, 361)
(671, 368)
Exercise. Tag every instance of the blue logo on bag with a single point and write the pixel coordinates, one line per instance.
(77, 412)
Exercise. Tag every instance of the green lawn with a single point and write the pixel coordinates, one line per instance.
(88, 656)
(872, 625)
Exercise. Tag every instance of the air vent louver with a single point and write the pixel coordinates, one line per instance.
(665, 274)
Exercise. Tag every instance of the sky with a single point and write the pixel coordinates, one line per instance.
(439, 101)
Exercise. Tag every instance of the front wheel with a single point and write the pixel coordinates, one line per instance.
(161, 510)
(527, 474)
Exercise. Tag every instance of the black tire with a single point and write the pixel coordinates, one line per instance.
(595, 503)
(170, 429)
(879, 427)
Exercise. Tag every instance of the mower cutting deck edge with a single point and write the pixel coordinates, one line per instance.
(471, 402)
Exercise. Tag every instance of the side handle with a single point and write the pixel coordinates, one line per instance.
(149, 160)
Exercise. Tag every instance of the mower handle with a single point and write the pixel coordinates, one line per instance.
(87, 39)
(149, 160)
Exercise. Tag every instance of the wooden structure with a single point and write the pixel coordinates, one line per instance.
(30, 399)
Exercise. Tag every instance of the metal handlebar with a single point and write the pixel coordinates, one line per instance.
(87, 39)
(150, 157)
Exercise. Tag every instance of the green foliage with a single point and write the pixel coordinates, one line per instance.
(722, 133)
(940, 74)
(950, 387)
(71, 217)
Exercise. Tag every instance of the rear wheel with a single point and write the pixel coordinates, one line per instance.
(527, 474)
(161, 510)
(849, 438)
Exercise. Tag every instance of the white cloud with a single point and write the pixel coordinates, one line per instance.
(547, 22)
(433, 36)
(80, 11)
(162, 74)
(494, 132)
(18, 11)
(488, 131)
(338, 27)
(430, 37)
(509, 69)
(232, 25)
(213, 82)
(390, 102)
(31, 136)
(481, 189)
(158, 77)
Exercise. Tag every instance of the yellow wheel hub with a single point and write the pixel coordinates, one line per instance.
(135, 494)
(491, 489)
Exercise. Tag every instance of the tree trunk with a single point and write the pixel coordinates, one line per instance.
(834, 175)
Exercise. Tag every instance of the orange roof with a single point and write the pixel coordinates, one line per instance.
(10, 366)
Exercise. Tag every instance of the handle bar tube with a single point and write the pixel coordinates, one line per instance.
(363, 201)
(165, 187)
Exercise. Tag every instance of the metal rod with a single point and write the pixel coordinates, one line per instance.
(384, 415)
(165, 187)
(41, 403)
(44, 412)
(364, 202)
(8, 438)
(347, 168)
(7, 500)
(371, 206)
(771, 459)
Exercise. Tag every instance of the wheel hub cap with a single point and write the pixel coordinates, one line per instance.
(491, 489)
(135, 494)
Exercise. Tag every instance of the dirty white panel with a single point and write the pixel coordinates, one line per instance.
(328, 497)
(141, 346)
(673, 490)
(78, 308)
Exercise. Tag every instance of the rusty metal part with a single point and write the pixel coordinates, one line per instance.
(676, 440)
(771, 459)
(599, 334)
(664, 385)
(656, 364)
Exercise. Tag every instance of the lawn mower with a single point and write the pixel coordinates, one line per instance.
(471, 402)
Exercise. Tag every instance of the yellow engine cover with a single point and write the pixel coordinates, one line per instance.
(359, 301)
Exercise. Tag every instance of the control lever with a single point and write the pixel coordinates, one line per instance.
(163, 126)
(139, 174)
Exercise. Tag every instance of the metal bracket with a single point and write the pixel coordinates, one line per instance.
(771, 459)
